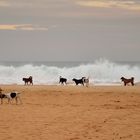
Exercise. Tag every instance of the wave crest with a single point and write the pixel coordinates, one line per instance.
(101, 72)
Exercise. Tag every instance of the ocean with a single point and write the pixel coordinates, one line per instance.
(100, 72)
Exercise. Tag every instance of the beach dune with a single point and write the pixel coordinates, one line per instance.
(71, 113)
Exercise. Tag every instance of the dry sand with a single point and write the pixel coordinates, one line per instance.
(72, 113)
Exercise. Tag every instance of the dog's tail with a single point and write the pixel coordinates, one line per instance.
(17, 93)
(132, 81)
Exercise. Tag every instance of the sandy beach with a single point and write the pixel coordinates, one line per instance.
(71, 113)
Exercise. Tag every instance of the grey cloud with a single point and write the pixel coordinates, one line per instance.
(72, 32)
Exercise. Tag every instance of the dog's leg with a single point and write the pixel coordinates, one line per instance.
(9, 101)
(18, 98)
(1, 101)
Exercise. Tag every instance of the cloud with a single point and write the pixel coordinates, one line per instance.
(15, 3)
(4, 4)
(34, 3)
(123, 4)
(54, 4)
(26, 27)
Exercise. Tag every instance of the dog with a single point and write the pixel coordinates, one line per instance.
(86, 81)
(28, 80)
(127, 81)
(1, 96)
(10, 96)
(62, 80)
(79, 81)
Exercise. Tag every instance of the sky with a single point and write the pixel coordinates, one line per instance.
(69, 30)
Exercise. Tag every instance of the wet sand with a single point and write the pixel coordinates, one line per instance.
(71, 113)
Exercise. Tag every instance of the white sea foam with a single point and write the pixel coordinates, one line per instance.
(99, 72)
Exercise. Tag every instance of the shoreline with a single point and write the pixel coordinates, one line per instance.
(90, 85)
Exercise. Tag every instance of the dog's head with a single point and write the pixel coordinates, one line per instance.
(73, 79)
(132, 78)
(2, 96)
(122, 78)
(23, 79)
(30, 77)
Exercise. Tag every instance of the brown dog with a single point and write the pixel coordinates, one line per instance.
(126, 81)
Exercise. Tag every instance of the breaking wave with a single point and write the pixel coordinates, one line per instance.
(99, 72)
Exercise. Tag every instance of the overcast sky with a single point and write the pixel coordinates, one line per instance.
(69, 30)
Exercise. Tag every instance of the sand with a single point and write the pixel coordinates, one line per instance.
(71, 113)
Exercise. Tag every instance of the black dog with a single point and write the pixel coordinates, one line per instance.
(28, 80)
(79, 81)
(62, 80)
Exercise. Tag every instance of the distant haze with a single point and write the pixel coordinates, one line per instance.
(69, 30)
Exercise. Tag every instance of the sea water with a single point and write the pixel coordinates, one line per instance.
(100, 71)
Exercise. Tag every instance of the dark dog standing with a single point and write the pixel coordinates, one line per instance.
(28, 80)
(126, 81)
(62, 80)
(79, 81)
